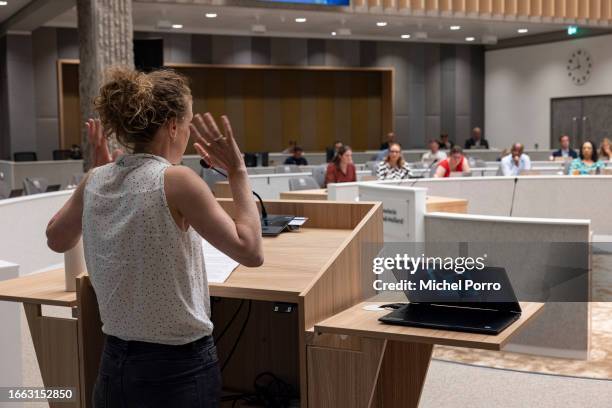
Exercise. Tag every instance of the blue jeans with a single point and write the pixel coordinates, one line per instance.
(136, 374)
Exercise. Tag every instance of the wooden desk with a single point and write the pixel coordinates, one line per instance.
(434, 203)
(446, 204)
(316, 194)
(222, 189)
(383, 365)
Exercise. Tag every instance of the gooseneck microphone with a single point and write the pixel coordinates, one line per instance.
(264, 213)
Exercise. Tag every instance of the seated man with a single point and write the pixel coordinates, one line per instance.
(565, 152)
(434, 154)
(445, 142)
(517, 161)
(476, 141)
(297, 157)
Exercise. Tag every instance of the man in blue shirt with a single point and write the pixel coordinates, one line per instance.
(565, 151)
(517, 161)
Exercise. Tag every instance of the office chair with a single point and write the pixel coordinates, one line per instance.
(62, 154)
(318, 173)
(287, 168)
(35, 185)
(24, 156)
(5, 190)
(372, 165)
(303, 183)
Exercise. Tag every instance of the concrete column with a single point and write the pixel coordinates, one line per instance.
(105, 39)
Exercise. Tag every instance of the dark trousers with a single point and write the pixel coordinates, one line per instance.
(136, 374)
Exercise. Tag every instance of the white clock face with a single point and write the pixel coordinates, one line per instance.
(579, 67)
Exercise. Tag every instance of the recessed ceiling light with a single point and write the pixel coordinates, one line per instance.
(333, 33)
(406, 36)
(3, 3)
(381, 23)
(300, 20)
(469, 39)
(210, 15)
(522, 30)
(455, 27)
(177, 26)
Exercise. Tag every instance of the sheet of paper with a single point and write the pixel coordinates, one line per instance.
(218, 265)
(297, 221)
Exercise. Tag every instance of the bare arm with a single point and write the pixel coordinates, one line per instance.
(192, 199)
(466, 166)
(440, 171)
(64, 229)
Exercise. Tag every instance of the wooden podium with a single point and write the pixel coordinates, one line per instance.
(327, 347)
(320, 270)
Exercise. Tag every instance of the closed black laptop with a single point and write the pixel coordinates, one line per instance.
(466, 310)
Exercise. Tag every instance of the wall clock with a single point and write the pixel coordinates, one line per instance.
(580, 66)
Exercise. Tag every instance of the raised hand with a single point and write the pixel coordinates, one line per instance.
(218, 149)
(100, 155)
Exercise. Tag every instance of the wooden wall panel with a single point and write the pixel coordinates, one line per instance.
(359, 112)
(571, 8)
(595, 10)
(560, 8)
(270, 106)
(254, 99)
(70, 124)
(486, 6)
(499, 7)
(548, 8)
(325, 113)
(290, 107)
(606, 9)
(459, 6)
(445, 5)
(472, 6)
(523, 7)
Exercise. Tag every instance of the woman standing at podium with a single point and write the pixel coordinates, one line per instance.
(142, 218)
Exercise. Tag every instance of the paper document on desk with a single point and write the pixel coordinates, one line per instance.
(218, 265)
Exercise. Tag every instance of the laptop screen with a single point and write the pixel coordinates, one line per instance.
(488, 288)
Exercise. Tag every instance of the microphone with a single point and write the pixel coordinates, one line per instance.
(264, 213)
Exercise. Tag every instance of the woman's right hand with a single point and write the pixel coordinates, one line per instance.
(100, 155)
(218, 149)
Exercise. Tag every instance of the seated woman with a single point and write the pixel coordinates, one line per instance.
(605, 150)
(456, 162)
(394, 167)
(341, 169)
(588, 162)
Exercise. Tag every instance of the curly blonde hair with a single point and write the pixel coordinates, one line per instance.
(134, 105)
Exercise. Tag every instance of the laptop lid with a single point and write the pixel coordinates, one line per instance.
(16, 193)
(53, 187)
(489, 288)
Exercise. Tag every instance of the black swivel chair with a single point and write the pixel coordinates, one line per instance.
(24, 156)
(62, 154)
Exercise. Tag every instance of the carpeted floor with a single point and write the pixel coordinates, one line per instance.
(599, 364)
(453, 385)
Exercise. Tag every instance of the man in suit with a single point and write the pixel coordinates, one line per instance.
(476, 141)
(565, 152)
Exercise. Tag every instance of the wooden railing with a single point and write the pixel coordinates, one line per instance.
(587, 12)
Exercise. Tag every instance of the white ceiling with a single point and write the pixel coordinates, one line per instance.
(320, 23)
(11, 8)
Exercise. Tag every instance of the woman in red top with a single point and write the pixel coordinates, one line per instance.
(341, 169)
(456, 162)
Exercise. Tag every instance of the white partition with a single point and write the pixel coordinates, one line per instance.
(485, 195)
(403, 210)
(22, 235)
(567, 197)
(10, 335)
(563, 328)
(56, 171)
